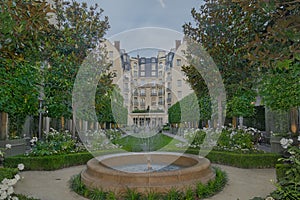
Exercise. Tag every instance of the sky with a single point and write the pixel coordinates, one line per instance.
(140, 24)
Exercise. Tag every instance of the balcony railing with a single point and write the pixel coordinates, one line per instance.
(161, 103)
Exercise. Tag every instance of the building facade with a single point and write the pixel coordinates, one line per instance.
(149, 85)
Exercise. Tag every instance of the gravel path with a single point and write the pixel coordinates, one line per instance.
(243, 184)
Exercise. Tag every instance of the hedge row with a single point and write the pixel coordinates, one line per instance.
(262, 160)
(242, 160)
(48, 162)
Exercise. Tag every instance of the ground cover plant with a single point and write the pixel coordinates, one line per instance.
(201, 191)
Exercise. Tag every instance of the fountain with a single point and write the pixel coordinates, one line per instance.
(146, 172)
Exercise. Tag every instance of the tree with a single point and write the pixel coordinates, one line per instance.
(276, 51)
(22, 28)
(78, 30)
(223, 28)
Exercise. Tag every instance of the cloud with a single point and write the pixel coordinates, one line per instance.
(162, 3)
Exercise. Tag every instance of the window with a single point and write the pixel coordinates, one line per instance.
(179, 83)
(160, 73)
(143, 92)
(126, 86)
(169, 85)
(153, 91)
(135, 74)
(161, 65)
(143, 67)
(178, 62)
(179, 94)
(142, 73)
(135, 65)
(153, 73)
(153, 66)
(111, 54)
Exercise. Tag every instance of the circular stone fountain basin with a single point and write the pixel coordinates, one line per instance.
(115, 172)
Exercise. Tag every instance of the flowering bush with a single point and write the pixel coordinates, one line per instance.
(55, 143)
(288, 187)
(2, 152)
(101, 139)
(230, 139)
(6, 186)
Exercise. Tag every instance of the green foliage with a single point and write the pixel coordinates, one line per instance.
(52, 162)
(56, 142)
(185, 110)
(195, 138)
(8, 173)
(174, 194)
(79, 29)
(241, 104)
(222, 29)
(23, 197)
(288, 186)
(202, 190)
(137, 144)
(241, 160)
(280, 88)
(131, 195)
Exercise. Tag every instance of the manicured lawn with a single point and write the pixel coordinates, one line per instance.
(154, 143)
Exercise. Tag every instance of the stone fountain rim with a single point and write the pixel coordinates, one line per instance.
(182, 170)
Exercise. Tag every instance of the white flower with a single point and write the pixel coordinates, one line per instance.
(14, 198)
(21, 166)
(12, 182)
(299, 138)
(8, 146)
(269, 198)
(17, 177)
(3, 195)
(10, 190)
(285, 142)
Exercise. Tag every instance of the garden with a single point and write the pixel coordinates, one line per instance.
(254, 45)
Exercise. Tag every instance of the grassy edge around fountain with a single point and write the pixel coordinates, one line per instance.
(202, 191)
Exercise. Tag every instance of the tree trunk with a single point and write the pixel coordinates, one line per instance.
(234, 122)
(4, 126)
(294, 120)
(62, 119)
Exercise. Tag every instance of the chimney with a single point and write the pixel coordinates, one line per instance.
(177, 44)
(117, 45)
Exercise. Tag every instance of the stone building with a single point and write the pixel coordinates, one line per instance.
(149, 85)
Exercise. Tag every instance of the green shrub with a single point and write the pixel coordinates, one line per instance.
(288, 185)
(241, 160)
(52, 162)
(201, 191)
(23, 197)
(8, 173)
(55, 143)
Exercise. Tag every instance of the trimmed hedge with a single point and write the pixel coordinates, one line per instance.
(52, 162)
(257, 160)
(8, 173)
(241, 160)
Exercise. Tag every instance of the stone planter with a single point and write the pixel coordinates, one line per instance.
(275, 144)
(18, 146)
